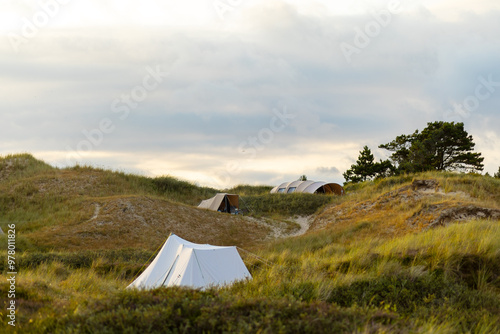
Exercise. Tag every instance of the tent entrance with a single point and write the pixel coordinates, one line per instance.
(228, 203)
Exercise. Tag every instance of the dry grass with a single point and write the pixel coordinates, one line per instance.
(398, 206)
(145, 222)
(90, 208)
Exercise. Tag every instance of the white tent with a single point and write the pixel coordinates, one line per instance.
(221, 202)
(183, 263)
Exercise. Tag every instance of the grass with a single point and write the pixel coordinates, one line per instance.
(248, 190)
(483, 188)
(455, 267)
(56, 209)
(365, 269)
(287, 205)
(392, 208)
(445, 279)
(29, 176)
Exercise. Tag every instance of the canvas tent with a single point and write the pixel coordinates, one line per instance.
(183, 263)
(311, 187)
(221, 202)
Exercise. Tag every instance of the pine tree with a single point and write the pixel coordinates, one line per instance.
(366, 168)
(440, 146)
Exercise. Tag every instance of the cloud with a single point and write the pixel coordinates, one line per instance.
(328, 170)
(227, 76)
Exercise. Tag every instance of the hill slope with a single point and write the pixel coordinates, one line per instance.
(90, 208)
(409, 254)
(401, 205)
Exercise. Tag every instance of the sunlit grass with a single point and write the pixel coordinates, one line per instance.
(403, 279)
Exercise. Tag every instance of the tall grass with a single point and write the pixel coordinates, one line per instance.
(248, 190)
(288, 204)
(21, 165)
(443, 279)
(455, 267)
(181, 191)
(484, 188)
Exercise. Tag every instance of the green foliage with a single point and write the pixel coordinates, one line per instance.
(403, 293)
(483, 188)
(15, 166)
(248, 190)
(366, 168)
(287, 204)
(190, 311)
(125, 261)
(442, 146)
(181, 191)
(497, 174)
(23, 170)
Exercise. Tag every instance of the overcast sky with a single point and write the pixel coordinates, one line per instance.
(223, 92)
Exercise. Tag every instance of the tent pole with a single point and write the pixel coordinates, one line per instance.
(199, 267)
(170, 269)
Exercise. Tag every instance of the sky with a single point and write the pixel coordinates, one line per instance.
(227, 92)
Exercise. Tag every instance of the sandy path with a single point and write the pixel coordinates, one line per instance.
(304, 222)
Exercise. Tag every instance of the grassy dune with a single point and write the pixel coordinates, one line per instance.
(91, 208)
(373, 261)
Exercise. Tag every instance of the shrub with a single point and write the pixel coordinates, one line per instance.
(287, 204)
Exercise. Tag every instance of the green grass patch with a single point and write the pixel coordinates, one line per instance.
(287, 204)
(248, 190)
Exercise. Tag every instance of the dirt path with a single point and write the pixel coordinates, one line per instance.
(304, 222)
(97, 209)
(280, 229)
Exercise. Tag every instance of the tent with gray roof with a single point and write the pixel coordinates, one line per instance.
(311, 187)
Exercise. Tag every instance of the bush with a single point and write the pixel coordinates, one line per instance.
(182, 310)
(248, 190)
(126, 263)
(287, 204)
(181, 191)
